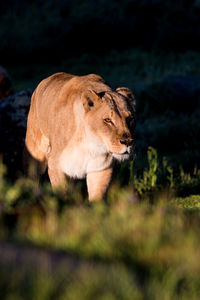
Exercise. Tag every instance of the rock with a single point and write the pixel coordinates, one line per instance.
(6, 87)
(13, 116)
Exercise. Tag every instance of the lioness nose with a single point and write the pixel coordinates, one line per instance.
(126, 140)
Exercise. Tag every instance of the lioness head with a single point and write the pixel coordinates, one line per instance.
(110, 120)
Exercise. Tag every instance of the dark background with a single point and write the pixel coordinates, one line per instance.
(150, 46)
(43, 30)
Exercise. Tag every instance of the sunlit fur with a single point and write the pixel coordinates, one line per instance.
(75, 127)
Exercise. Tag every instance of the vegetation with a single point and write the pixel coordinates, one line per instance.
(143, 244)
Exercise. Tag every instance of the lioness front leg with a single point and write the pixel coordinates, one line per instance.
(98, 183)
(57, 178)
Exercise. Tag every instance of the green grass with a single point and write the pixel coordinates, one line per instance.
(143, 244)
(125, 250)
(191, 202)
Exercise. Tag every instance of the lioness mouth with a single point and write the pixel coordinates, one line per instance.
(124, 153)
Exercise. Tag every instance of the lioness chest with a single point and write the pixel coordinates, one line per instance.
(78, 161)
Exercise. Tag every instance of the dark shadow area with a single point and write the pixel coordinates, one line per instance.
(13, 116)
(38, 31)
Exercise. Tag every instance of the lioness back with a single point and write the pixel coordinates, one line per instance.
(78, 126)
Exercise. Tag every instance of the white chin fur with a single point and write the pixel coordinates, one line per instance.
(121, 157)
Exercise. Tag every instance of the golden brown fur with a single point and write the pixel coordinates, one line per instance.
(78, 126)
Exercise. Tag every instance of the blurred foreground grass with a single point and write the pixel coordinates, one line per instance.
(143, 244)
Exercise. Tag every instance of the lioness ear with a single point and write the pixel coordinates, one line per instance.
(128, 94)
(89, 97)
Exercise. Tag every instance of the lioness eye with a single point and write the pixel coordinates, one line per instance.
(107, 120)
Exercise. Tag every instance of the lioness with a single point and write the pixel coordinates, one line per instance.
(78, 127)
